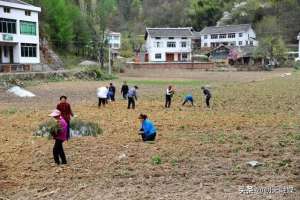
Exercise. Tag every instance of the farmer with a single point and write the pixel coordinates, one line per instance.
(169, 94)
(148, 130)
(60, 136)
(188, 98)
(207, 95)
(111, 92)
(132, 97)
(102, 95)
(66, 112)
(124, 90)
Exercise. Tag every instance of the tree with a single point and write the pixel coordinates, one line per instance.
(205, 13)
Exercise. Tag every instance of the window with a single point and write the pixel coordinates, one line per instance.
(205, 37)
(7, 25)
(240, 34)
(231, 35)
(251, 43)
(184, 56)
(184, 38)
(223, 36)
(183, 44)
(157, 38)
(28, 50)
(233, 44)
(171, 38)
(27, 12)
(247, 42)
(6, 10)
(171, 44)
(157, 44)
(27, 28)
(240, 43)
(205, 44)
(158, 56)
(215, 36)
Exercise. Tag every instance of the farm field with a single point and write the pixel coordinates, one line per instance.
(199, 153)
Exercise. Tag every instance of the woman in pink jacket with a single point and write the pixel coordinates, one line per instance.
(60, 137)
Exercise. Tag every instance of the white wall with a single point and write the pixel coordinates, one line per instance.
(246, 37)
(152, 49)
(19, 15)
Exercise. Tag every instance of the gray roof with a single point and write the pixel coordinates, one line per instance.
(225, 29)
(16, 1)
(169, 32)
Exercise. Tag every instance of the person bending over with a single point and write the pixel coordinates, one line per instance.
(207, 95)
(188, 98)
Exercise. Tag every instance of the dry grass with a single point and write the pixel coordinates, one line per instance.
(202, 153)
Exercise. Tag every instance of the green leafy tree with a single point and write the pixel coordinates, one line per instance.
(205, 13)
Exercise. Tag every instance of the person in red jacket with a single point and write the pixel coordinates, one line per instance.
(60, 136)
(66, 112)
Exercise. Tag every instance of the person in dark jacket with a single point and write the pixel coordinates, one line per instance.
(148, 130)
(132, 97)
(169, 94)
(124, 90)
(207, 95)
(111, 92)
(60, 136)
(66, 112)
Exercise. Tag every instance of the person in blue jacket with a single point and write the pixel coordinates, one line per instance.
(188, 98)
(148, 130)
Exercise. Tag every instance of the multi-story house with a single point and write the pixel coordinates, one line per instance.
(229, 35)
(114, 41)
(19, 33)
(168, 44)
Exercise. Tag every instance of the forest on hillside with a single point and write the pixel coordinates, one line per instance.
(74, 24)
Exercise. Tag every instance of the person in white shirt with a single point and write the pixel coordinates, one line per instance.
(102, 95)
(169, 94)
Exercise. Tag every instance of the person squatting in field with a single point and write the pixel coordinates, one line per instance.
(60, 136)
(148, 130)
(124, 90)
(132, 97)
(207, 95)
(102, 93)
(169, 94)
(188, 98)
(66, 112)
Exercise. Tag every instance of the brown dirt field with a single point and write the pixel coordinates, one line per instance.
(203, 152)
(175, 74)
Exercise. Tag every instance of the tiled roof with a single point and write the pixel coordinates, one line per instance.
(16, 1)
(169, 32)
(225, 29)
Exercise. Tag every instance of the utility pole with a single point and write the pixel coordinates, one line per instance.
(109, 60)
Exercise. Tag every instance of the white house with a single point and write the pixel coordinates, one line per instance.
(114, 40)
(229, 35)
(19, 33)
(168, 44)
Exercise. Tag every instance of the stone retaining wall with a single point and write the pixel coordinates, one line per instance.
(186, 65)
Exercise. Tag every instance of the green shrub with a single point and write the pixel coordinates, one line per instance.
(77, 128)
(297, 65)
(156, 160)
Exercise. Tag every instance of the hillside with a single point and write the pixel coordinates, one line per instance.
(74, 24)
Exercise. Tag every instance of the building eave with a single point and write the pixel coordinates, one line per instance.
(20, 6)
